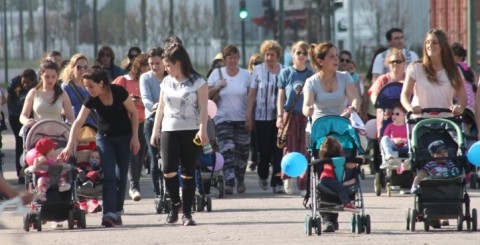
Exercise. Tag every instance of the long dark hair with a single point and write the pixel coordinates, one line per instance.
(57, 89)
(176, 52)
(330, 148)
(172, 44)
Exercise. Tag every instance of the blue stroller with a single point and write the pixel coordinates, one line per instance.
(440, 198)
(339, 128)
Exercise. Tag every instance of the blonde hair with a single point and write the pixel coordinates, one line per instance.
(393, 52)
(254, 58)
(299, 45)
(269, 45)
(67, 74)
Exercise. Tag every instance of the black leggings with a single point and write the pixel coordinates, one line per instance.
(178, 149)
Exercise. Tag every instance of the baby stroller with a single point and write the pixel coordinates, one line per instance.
(340, 128)
(439, 198)
(207, 175)
(389, 178)
(59, 206)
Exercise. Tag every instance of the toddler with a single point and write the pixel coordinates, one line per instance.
(436, 169)
(331, 148)
(394, 137)
(90, 174)
(47, 157)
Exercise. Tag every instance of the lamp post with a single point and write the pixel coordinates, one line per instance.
(243, 15)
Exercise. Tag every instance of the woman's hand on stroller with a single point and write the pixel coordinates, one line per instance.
(65, 154)
(30, 122)
(416, 109)
(457, 110)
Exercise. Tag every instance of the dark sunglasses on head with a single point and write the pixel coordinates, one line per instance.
(106, 55)
(395, 62)
(345, 60)
(131, 56)
(397, 114)
(298, 53)
(79, 67)
(257, 62)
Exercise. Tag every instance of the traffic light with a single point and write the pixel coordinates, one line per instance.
(243, 10)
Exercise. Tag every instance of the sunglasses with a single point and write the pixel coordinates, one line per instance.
(397, 114)
(79, 67)
(395, 62)
(298, 53)
(257, 62)
(345, 60)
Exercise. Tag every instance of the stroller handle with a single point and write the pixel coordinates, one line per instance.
(357, 160)
(411, 120)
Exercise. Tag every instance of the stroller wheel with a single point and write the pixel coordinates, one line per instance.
(209, 204)
(413, 219)
(26, 222)
(353, 222)
(308, 225)
(460, 221)
(158, 205)
(70, 219)
(378, 183)
(221, 186)
(474, 219)
(81, 222)
(366, 224)
(359, 228)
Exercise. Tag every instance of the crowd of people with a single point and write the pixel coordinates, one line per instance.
(158, 103)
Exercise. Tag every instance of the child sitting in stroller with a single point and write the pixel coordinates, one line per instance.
(331, 148)
(394, 138)
(436, 169)
(45, 147)
(89, 175)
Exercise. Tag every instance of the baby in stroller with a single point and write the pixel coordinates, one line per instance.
(89, 176)
(331, 148)
(394, 138)
(440, 168)
(47, 157)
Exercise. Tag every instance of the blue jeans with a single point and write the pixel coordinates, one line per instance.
(115, 155)
(388, 147)
(136, 164)
(153, 152)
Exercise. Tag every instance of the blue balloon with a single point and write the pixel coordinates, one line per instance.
(294, 164)
(473, 154)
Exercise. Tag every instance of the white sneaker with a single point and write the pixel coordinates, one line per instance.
(288, 186)
(135, 195)
(56, 224)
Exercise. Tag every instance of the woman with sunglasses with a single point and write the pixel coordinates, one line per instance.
(132, 53)
(290, 100)
(105, 59)
(395, 60)
(131, 83)
(232, 136)
(72, 83)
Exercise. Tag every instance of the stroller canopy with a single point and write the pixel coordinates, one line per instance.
(340, 128)
(389, 95)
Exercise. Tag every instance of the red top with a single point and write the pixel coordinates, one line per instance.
(133, 88)
(328, 172)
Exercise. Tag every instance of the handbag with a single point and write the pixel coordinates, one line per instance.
(80, 98)
(216, 96)
(87, 133)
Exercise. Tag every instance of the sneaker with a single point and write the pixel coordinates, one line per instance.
(228, 190)
(241, 187)
(173, 215)
(94, 206)
(108, 221)
(288, 186)
(84, 207)
(415, 189)
(64, 187)
(188, 220)
(88, 184)
(263, 184)
(135, 195)
(278, 189)
(350, 208)
(328, 227)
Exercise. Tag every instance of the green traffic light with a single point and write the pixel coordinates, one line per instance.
(243, 14)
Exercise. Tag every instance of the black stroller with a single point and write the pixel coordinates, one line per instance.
(439, 198)
(59, 206)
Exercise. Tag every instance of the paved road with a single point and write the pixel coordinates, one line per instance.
(256, 217)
